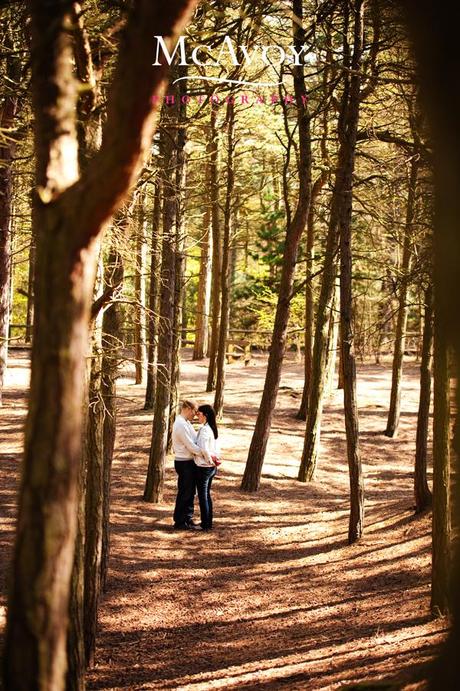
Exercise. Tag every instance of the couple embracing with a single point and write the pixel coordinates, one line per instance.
(195, 462)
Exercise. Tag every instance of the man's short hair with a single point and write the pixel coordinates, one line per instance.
(192, 405)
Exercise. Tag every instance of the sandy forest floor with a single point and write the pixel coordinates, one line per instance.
(273, 597)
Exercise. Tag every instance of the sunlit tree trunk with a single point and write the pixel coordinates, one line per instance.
(154, 299)
(340, 202)
(401, 326)
(226, 267)
(256, 455)
(355, 526)
(213, 153)
(111, 355)
(180, 260)
(155, 475)
(200, 347)
(140, 353)
(8, 115)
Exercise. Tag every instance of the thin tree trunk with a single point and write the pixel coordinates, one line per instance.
(225, 273)
(254, 463)
(8, 115)
(213, 153)
(355, 526)
(310, 258)
(93, 460)
(401, 326)
(334, 328)
(30, 292)
(155, 475)
(340, 205)
(200, 346)
(154, 294)
(140, 353)
(180, 258)
(69, 215)
(421, 489)
(111, 347)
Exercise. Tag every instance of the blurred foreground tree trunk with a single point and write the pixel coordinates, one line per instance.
(70, 213)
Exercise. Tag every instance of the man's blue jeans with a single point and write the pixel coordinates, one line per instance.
(183, 512)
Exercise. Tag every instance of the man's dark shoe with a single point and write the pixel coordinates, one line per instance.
(181, 526)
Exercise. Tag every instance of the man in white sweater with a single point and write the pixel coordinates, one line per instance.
(184, 446)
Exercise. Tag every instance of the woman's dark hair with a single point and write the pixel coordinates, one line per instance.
(208, 412)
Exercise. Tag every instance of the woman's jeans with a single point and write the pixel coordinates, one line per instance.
(203, 478)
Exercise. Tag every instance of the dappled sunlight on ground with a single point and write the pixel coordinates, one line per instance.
(273, 597)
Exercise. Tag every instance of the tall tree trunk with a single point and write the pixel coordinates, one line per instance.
(200, 347)
(30, 292)
(180, 258)
(254, 463)
(7, 120)
(154, 295)
(334, 329)
(421, 489)
(70, 214)
(155, 475)
(400, 336)
(111, 346)
(310, 254)
(226, 257)
(93, 460)
(140, 353)
(441, 542)
(355, 526)
(213, 154)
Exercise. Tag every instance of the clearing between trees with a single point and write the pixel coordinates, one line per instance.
(273, 597)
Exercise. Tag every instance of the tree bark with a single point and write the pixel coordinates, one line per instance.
(355, 526)
(111, 346)
(213, 153)
(254, 463)
(225, 273)
(155, 475)
(94, 463)
(70, 214)
(154, 294)
(140, 353)
(340, 202)
(401, 326)
(8, 115)
(180, 258)
(200, 347)
(421, 490)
